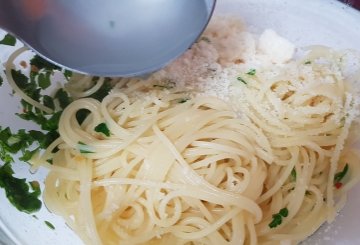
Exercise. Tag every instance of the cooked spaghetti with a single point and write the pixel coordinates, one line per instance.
(156, 162)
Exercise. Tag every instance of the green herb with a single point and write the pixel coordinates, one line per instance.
(68, 74)
(18, 191)
(307, 62)
(85, 151)
(205, 39)
(51, 226)
(35, 186)
(12, 143)
(81, 115)
(1, 80)
(41, 63)
(62, 96)
(251, 72)
(103, 128)
(46, 123)
(50, 161)
(52, 123)
(284, 212)
(44, 80)
(293, 175)
(8, 40)
(84, 148)
(28, 155)
(183, 100)
(20, 79)
(34, 216)
(49, 102)
(277, 218)
(241, 80)
(340, 175)
(28, 86)
(103, 90)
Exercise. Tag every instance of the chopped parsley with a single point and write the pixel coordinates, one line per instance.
(18, 191)
(293, 175)
(48, 123)
(277, 218)
(84, 148)
(339, 176)
(68, 74)
(1, 80)
(51, 226)
(20, 79)
(8, 40)
(49, 102)
(40, 63)
(24, 195)
(183, 100)
(12, 143)
(64, 99)
(241, 80)
(307, 62)
(103, 128)
(44, 80)
(251, 72)
(103, 90)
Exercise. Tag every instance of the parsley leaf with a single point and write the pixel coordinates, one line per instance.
(340, 175)
(44, 80)
(102, 128)
(18, 191)
(293, 175)
(284, 212)
(29, 87)
(68, 74)
(8, 40)
(81, 115)
(251, 72)
(41, 63)
(63, 98)
(49, 102)
(103, 90)
(183, 100)
(241, 80)
(52, 123)
(20, 79)
(28, 155)
(84, 148)
(277, 218)
(51, 226)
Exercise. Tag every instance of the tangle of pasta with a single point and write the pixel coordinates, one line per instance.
(172, 167)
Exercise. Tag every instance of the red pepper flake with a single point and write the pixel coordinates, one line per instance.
(338, 185)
